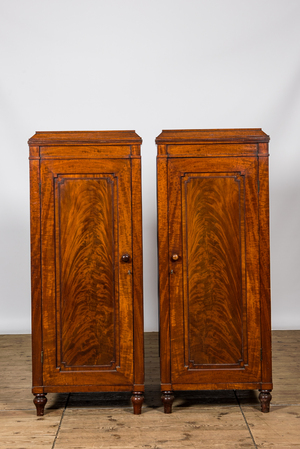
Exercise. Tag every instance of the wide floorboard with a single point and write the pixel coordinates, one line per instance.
(210, 419)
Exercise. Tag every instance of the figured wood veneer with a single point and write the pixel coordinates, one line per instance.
(214, 269)
(214, 295)
(86, 253)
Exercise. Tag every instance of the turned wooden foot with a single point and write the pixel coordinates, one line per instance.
(167, 398)
(40, 401)
(137, 400)
(265, 399)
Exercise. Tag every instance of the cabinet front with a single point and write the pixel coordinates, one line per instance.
(86, 236)
(213, 269)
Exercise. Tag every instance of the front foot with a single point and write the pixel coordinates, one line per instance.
(265, 399)
(137, 400)
(40, 401)
(167, 398)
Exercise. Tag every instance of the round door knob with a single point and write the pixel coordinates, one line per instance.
(175, 257)
(125, 258)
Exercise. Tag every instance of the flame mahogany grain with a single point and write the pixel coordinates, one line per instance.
(213, 252)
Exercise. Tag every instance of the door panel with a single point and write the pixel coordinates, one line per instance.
(87, 291)
(85, 270)
(214, 231)
(214, 300)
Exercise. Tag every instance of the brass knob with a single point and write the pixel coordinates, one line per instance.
(125, 258)
(175, 257)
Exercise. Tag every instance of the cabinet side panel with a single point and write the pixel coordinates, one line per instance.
(163, 267)
(265, 295)
(86, 246)
(213, 206)
(137, 258)
(36, 287)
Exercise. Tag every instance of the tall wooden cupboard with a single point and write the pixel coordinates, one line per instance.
(214, 267)
(86, 256)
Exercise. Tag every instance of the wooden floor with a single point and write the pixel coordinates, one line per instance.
(223, 420)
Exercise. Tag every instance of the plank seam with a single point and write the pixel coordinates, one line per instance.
(60, 422)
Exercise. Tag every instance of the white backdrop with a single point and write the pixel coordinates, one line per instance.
(149, 65)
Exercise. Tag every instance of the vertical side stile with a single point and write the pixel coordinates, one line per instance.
(163, 264)
(137, 258)
(36, 286)
(265, 266)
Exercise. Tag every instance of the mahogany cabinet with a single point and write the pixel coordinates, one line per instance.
(86, 256)
(214, 267)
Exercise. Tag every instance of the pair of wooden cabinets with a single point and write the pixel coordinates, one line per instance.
(86, 245)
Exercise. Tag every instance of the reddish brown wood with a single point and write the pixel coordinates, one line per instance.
(167, 398)
(196, 136)
(85, 137)
(85, 246)
(40, 401)
(85, 151)
(88, 334)
(54, 277)
(265, 399)
(265, 292)
(212, 150)
(219, 386)
(36, 286)
(137, 400)
(137, 252)
(163, 261)
(225, 262)
(215, 307)
(83, 388)
(213, 252)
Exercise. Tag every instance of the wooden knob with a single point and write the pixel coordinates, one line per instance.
(175, 257)
(125, 258)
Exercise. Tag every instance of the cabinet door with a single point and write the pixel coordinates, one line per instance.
(87, 288)
(214, 281)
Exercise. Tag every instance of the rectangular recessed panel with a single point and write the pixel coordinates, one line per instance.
(86, 274)
(214, 238)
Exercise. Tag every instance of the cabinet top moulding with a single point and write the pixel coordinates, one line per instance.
(84, 144)
(189, 136)
(85, 137)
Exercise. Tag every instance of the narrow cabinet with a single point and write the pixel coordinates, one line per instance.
(214, 267)
(86, 259)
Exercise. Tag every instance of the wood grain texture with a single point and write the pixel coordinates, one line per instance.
(265, 290)
(86, 250)
(163, 268)
(212, 150)
(178, 137)
(36, 285)
(90, 376)
(40, 401)
(87, 297)
(84, 151)
(213, 208)
(213, 417)
(82, 137)
(215, 312)
(137, 256)
(250, 370)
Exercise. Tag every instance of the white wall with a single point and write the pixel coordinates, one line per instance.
(149, 65)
